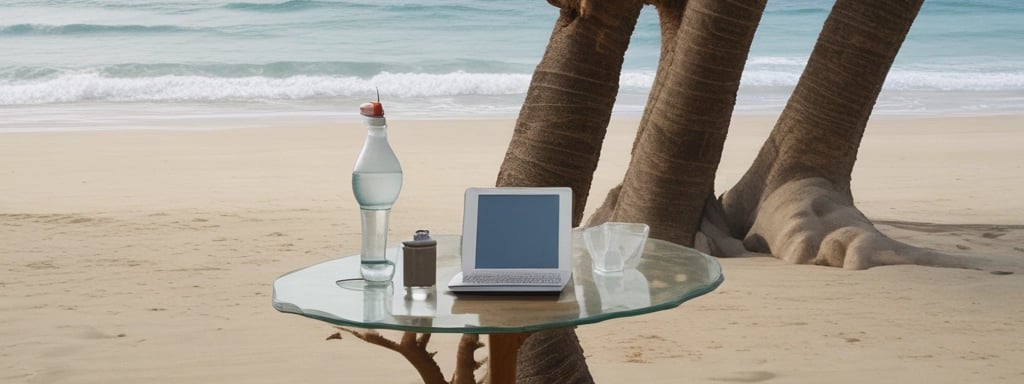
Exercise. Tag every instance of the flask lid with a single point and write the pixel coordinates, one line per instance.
(373, 108)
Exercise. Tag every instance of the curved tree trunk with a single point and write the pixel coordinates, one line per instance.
(672, 172)
(820, 129)
(563, 121)
(557, 142)
(670, 18)
(795, 200)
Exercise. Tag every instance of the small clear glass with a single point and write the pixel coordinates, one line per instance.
(615, 246)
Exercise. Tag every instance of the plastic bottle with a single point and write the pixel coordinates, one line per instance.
(376, 182)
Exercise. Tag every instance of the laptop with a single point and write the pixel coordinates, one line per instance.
(515, 240)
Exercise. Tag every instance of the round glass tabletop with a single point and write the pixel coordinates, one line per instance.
(331, 291)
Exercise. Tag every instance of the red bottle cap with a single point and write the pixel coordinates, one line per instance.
(372, 109)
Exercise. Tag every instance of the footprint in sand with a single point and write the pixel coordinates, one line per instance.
(747, 377)
(42, 265)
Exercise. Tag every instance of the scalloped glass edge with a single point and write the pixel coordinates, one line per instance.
(703, 290)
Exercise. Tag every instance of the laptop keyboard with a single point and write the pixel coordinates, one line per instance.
(514, 278)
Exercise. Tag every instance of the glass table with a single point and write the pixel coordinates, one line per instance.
(331, 291)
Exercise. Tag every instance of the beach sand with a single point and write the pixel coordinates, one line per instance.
(148, 257)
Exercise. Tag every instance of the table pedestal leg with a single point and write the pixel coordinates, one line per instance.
(502, 360)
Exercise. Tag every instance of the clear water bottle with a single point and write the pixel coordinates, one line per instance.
(376, 182)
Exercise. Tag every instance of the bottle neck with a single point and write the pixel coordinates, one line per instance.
(376, 126)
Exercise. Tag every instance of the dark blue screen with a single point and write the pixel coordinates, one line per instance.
(517, 231)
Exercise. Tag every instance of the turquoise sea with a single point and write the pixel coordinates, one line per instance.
(129, 64)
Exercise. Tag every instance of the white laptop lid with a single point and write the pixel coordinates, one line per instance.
(519, 229)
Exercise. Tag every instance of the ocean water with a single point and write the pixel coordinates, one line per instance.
(117, 64)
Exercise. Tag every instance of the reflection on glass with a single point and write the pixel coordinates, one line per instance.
(623, 290)
(417, 302)
(377, 302)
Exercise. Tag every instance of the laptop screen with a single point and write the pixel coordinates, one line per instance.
(517, 231)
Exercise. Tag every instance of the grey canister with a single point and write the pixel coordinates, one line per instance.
(419, 260)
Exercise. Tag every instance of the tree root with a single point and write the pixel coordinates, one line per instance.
(714, 238)
(413, 347)
(807, 221)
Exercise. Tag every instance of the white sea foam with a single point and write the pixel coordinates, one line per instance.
(906, 80)
(452, 84)
(74, 87)
(955, 81)
(776, 61)
(769, 78)
(91, 86)
(639, 80)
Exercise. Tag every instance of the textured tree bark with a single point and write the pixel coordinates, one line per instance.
(819, 131)
(670, 17)
(560, 359)
(676, 154)
(563, 121)
(795, 200)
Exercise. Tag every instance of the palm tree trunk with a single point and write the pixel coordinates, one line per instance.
(670, 17)
(676, 155)
(819, 131)
(795, 200)
(563, 121)
(555, 356)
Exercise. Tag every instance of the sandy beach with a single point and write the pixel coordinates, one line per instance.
(148, 257)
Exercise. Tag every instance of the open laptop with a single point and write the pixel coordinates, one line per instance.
(515, 240)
